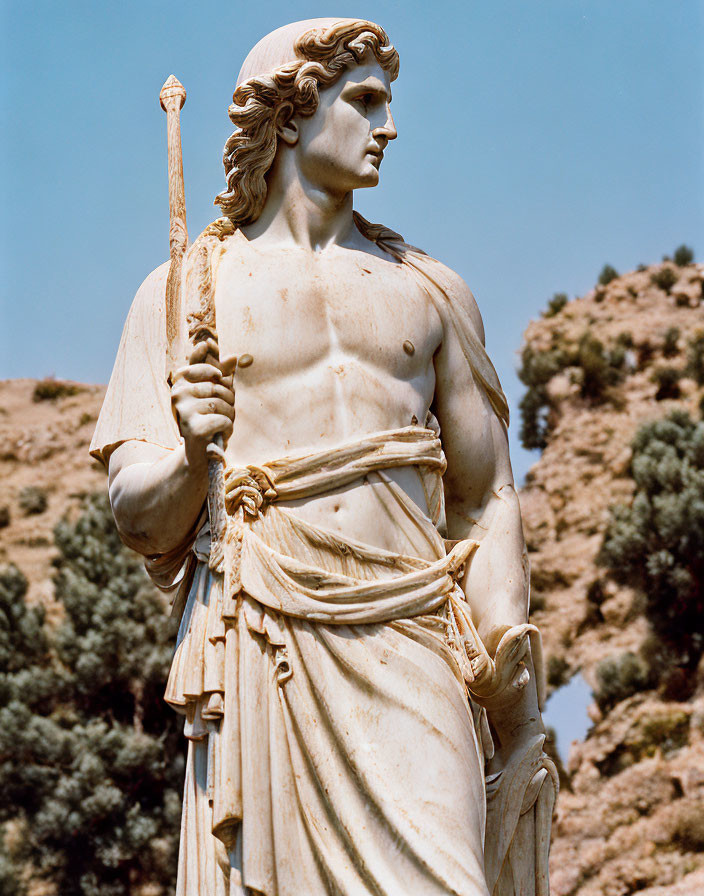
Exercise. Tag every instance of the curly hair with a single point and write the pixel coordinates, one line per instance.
(264, 103)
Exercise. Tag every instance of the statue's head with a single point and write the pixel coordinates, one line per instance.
(324, 66)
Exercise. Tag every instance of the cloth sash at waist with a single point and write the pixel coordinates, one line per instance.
(277, 564)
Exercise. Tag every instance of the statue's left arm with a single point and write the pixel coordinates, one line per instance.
(482, 504)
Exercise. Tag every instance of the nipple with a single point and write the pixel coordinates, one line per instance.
(245, 361)
(409, 348)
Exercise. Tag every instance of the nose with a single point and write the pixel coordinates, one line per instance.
(387, 131)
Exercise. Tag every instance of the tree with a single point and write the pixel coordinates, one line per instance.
(537, 369)
(556, 304)
(607, 274)
(596, 370)
(683, 256)
(91, 759)
(656, 544)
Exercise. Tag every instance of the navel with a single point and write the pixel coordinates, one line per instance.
(409, 348)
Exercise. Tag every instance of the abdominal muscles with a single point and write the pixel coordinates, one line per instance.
(337, 400)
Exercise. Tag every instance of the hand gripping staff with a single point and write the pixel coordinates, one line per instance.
(172, 99)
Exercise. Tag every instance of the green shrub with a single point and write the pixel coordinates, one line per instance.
(668, 382)
(666, 729)
(665, 278)
(91, 755)
(645, 353)
(50, 389)
(536, 371)
(595, 593)
(537, 601)
(600, 369)
(656, 544)
(11, 883)
(608, 273)
(683, 256)
(669, 343)
(557, 671)
(625, 339)
(695, 358)
(593, 615)
(688, 827)
(32, 500)
(556, 304)
(4, 516)
(619, 677)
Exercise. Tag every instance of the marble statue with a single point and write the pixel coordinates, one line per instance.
(307, 441)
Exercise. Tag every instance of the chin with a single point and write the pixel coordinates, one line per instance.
(370, 178)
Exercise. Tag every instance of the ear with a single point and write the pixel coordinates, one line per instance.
(288, 133)
(286, 127)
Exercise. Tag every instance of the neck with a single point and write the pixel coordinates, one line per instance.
(296, 213)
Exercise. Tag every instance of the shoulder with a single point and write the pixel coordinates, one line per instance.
(144, 332)
(459, 296)
(150, 295)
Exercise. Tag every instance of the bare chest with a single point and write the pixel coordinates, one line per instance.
(285, 312)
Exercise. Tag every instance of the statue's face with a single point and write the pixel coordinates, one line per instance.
(340, 147)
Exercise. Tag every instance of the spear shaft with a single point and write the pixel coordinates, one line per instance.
(172, 98)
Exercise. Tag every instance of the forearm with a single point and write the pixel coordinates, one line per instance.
(156, 498)
(156, 494)
(496, 581)
(515, 713)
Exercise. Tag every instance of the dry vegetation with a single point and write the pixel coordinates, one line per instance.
(632, 819)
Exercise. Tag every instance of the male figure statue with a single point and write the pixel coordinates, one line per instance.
(337, 665)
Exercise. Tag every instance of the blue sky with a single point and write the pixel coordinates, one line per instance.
(537, 141)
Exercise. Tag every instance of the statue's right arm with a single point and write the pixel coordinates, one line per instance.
(157, 494)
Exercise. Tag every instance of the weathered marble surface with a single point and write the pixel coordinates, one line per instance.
(355, 614)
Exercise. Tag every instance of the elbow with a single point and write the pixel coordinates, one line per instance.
(132, 519)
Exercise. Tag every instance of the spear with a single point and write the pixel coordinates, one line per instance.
(172, 98)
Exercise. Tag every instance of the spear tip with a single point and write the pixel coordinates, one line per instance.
(172, 88)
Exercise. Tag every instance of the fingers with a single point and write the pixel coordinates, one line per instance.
(214, 423)
(202, 427)
(515, 642)
(212, 390)
(202, 373)
(203, 397)
(209, 406)
(208, 347)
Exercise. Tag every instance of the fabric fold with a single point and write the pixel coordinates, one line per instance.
(301, 599)
(316, 675)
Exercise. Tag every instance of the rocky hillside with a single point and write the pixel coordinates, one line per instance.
(45, 469)
(632, 816)
(598, 368)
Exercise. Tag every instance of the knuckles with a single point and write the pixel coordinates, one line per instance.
(203, 400)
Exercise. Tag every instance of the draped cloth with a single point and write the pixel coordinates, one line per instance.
(317, 688)
(333, 745)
